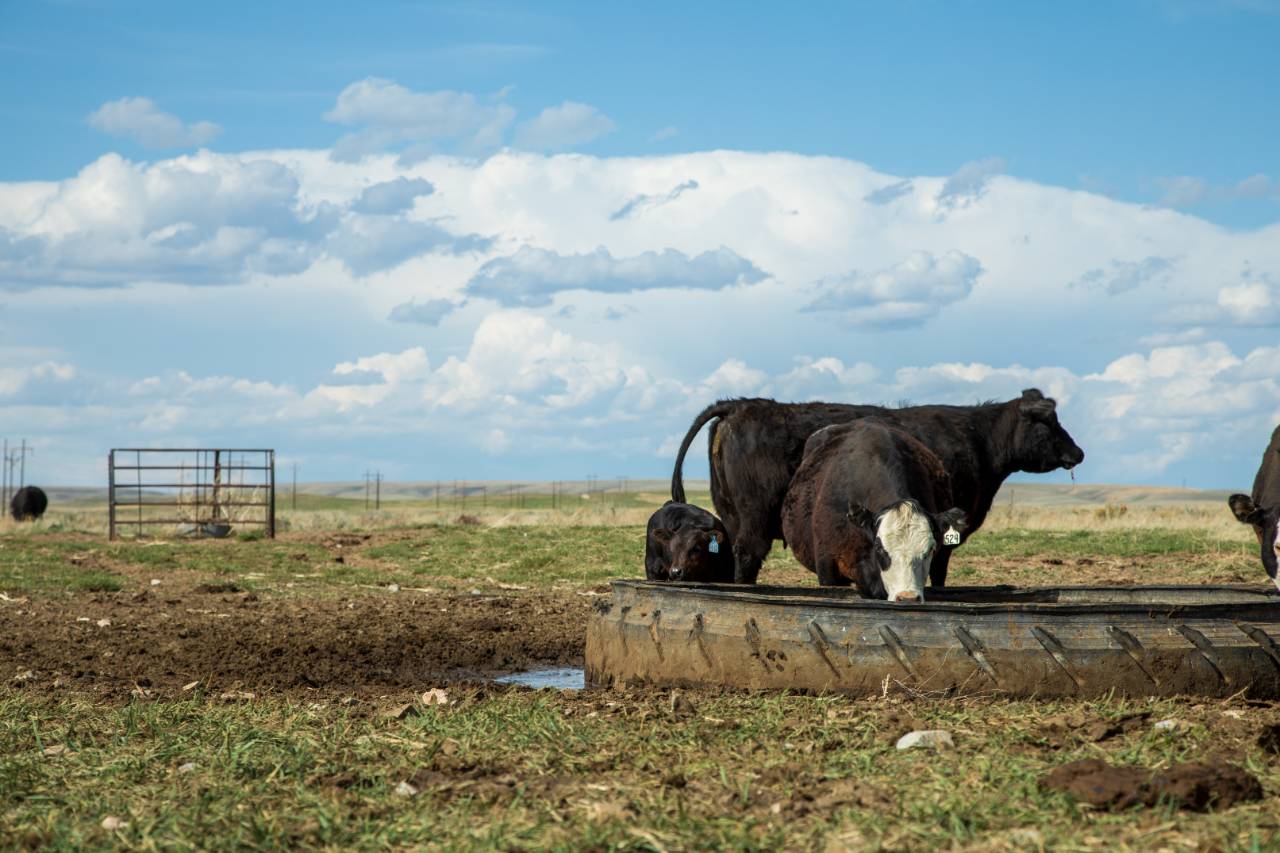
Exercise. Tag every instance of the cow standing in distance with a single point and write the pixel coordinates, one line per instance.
(870, 505)
(1262, 510)
(756, 445)
(28, 503)
(686, 543)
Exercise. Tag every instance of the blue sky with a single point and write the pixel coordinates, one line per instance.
(1117, 97)
(485, 240)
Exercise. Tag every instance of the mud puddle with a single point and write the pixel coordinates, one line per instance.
(556, 678)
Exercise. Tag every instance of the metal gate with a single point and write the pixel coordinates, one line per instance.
(195, 492)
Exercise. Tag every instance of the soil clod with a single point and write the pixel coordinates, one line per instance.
(218, 587)
(1269, 740)
(1193, 786)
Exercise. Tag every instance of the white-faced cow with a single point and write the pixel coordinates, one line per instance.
(687, 543)
(1262, 510)
(870, 505)
(756, 446)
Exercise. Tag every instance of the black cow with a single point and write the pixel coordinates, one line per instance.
(1262, 511)
(687, 543)
(28, 504)
(871, 505)
(756, 446)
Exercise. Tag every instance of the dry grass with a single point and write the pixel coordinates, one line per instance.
(1210, 518)
(343, 515)
(318, 513)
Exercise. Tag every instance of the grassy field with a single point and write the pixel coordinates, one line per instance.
(101, 716)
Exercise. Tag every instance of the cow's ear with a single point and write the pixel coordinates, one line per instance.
(862, 517)
(662, 534)
(1038, 410)
(952, 524)
(953, 518)
(1243, 509)
(1031, 394)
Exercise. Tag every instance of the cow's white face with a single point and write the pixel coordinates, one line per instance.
(1275, 546)
(905, 534)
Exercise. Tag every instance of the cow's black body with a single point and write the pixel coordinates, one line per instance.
(850, 474)
(678, 546)
(1262, 510)
(28, 504)
(756, 445)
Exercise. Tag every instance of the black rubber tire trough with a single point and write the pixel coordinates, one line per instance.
(1063, 641)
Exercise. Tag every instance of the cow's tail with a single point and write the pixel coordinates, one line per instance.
(715, 410)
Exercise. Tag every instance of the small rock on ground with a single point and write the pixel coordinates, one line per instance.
(926, 739)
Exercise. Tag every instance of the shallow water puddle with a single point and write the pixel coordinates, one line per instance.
(559, 678)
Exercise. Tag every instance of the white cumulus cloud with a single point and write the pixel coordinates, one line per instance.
(395, 196)
(532, 276)
(1122, 276)
(1253, 301)
(204, 219)
(429, 313)
(369, 244)
(145, 123)
(563, 126)
(594, 304)
(968, 183)
(390, 114)
(16, 379)
(908, 292)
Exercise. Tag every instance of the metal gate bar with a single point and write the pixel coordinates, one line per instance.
(217, 491)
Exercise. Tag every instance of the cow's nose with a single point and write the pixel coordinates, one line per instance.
(675, 574)
(908, 596)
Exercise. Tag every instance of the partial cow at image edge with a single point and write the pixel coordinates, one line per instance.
(1261, 511)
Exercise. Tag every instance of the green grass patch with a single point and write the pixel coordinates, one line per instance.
(94, 581)
(523, 555)
(540, 555)
(1108, 542)
(43, 562)
(547, 770)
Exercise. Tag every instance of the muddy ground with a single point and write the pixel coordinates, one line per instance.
(363, 645)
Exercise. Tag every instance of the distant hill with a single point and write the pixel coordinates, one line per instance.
(1088, 494)
(1020, 494)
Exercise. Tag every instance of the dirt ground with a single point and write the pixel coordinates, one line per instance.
(363, 645)
(340, 638)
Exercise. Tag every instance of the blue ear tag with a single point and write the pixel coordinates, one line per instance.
(714, 547)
